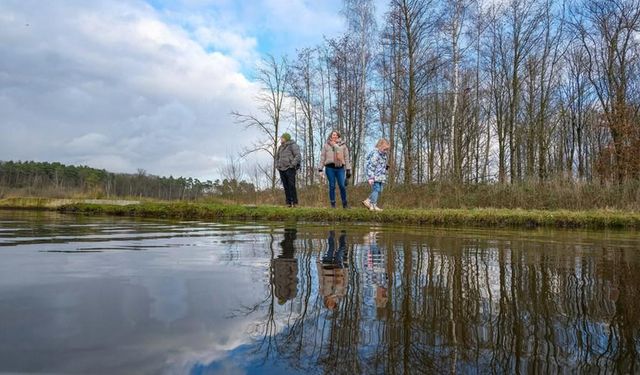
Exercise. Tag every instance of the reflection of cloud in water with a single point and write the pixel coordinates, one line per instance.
(168, 298)
(212, 349)
(202, 304)
(163, 310)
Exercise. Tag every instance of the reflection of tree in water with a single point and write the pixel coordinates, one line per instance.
(464, 305)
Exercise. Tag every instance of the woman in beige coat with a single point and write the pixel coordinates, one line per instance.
(336, 163)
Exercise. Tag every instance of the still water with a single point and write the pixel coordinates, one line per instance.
(115, 295)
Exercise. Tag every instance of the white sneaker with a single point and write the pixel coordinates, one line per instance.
(367, 204)
(375, 207)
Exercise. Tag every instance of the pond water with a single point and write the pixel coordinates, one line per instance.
(96, 295)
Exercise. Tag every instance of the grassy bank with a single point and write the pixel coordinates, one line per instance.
(556, 194)
(559, 195)
(481, 217)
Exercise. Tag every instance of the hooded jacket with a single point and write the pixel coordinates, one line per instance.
(376, 165)
(336, 155)
(288, 156)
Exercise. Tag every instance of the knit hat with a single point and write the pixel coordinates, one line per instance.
(286, 136)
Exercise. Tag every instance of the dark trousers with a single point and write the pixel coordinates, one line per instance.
(288, 179)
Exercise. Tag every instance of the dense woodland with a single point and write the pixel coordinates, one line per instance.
(59, 180)
(468, 91)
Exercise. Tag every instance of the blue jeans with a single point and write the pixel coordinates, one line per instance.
(333, 257)
(376, 189)
(333, 175)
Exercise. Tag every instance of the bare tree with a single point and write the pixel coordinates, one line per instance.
(413, 17)
(361, 23)
(608, 32)
(232, 170)
(389, 101)
(576, 101)
(273, 76)
(455, 10)
(540, 80)
(303, 89)
(514, 32)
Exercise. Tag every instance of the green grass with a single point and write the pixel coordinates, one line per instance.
(478, 217)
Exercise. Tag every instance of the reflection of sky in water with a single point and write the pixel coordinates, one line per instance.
(151, 298)
(113, 295)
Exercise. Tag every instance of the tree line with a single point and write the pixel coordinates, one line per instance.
(467, 91)
(60, 180)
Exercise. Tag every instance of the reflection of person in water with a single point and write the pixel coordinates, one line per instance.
(332, 271)
(285, 269)
(377, 264)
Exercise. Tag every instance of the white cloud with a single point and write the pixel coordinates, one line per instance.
(243, 49)
(265, 26)
(128, 84)
(109, 84)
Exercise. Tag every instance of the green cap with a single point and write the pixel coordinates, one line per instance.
(286, 136)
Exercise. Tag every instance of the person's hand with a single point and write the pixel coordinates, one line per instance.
(371, 181)
(348, 173)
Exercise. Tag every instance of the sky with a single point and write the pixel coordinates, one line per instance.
(124, 85)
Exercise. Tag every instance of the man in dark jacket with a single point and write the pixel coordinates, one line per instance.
(288, 161)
